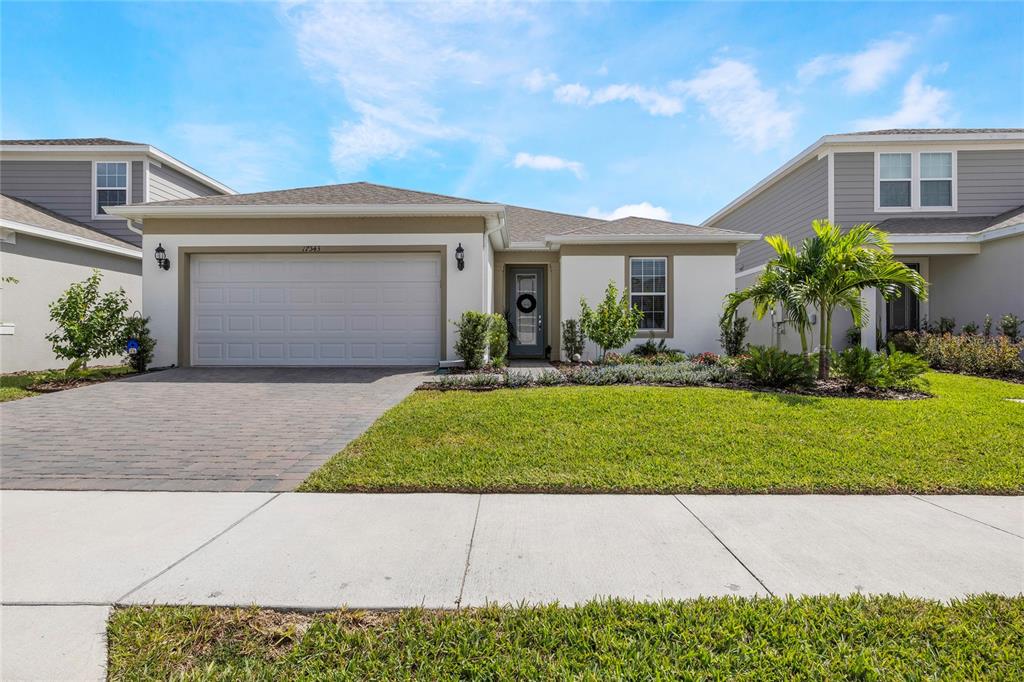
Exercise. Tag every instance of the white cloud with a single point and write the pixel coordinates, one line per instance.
(572, 93)
(652, 101)
(922, 105)
(538, 80)
(865, 71)
(544, 162)
(734, 96)
(393, 64)
(642, 210)
(246, 158)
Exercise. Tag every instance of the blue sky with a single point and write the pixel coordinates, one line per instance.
(667, 110)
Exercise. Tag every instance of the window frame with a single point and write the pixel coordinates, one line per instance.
(662, 332)
(915, 182)
(96, 215)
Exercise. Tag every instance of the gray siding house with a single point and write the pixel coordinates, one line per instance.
(952, 201)
(54, 229)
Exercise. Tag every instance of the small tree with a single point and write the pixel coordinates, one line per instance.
(137, 328)
(1010, 326)
(497, 339)
(572, 338)
(613, 322)
(90, 325)
(733, 330)
(472, 338)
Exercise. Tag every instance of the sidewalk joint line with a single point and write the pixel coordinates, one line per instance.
(197, 549)
(469, 552)
(727, 548)
(970, 518)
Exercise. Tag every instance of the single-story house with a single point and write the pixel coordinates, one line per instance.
(363, 274)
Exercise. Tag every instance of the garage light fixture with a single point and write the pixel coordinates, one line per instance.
(460, 257)
(162, 261)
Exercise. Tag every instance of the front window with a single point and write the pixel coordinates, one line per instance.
(917, 181)
(111, 184)
(894, 180)
(648, 291)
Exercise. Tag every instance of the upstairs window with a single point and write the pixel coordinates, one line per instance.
(648, 291)
(915, 181)
(111, 185)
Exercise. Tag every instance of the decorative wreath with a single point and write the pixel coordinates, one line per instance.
(526, 303)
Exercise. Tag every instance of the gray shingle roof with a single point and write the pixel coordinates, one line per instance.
(524, 224)
(636, 226)
(951, 225)
(28, 213)
(72, 141)
(350, 193)
(935, 131)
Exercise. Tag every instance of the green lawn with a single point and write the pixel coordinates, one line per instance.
(645, 439)
(16, 386)
(723, 638)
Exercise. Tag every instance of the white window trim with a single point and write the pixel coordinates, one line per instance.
(629, 285)
(128, 188)
(915, 182)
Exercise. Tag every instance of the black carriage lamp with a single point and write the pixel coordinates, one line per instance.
(162, 261)
(460, 257)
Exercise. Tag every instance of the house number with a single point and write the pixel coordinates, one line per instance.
(310, 249)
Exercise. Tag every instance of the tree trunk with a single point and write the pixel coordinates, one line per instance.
(822, 343)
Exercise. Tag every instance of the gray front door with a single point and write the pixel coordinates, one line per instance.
(524, 305)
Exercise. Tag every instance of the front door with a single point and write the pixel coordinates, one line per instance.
(524, 306)
(903, 313)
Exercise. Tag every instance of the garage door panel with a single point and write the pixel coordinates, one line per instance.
(328, 309)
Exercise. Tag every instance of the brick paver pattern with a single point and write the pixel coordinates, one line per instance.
(195, 429)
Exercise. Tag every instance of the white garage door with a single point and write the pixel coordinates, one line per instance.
(316, 309)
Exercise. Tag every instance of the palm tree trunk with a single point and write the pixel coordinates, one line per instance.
(822, 343)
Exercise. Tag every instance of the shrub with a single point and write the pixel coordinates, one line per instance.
(945, 325)
(549, 377)
(853, 336)
(679, 373)
(767, 366)
(137, 328)
(472, 338)
(988, 325)
(1010, 326)
(996, 356)
(858, 366)
(482, 380)
(89, 325)
(497, 340)
(904, 341)
(732, 333)
(706, 358)
(901, 371)
(517, 379)
(572, 339)
(613, 322)
(971, 329)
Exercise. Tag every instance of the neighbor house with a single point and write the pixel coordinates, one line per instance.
(363, 274)
(952, 201)
(54, 229)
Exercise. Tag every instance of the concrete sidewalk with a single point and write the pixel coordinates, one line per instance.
(74, 554)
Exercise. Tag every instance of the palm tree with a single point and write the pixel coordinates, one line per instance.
(830, 271)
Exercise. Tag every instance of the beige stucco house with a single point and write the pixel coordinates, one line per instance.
(363, 274)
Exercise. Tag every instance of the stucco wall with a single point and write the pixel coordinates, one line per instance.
(699, 285)
(161, 288)
(45, 269)
(969, 286)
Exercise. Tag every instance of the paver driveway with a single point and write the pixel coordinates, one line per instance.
(229, 429)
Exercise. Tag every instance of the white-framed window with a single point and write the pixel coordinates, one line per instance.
(915, 181)
(648, 290)
(111, 184)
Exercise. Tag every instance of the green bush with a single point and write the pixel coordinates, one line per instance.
(138, 328)
(572, 339)
(497, 340)
(767, 366)
(613, 322)
(858, 366)
(901, 371)
(971, 329)
(550, 377)
(471, 343)
(89, 325)
(1010, 326)
(679, 373)
(517, 379)
(904, 341)
(996, 356)
(732, 333)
